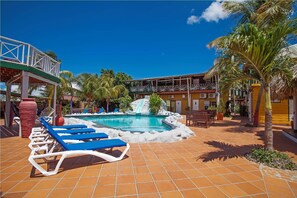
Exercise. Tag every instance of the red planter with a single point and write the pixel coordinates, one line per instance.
(59, 121)
(220, 116)
(28, 109)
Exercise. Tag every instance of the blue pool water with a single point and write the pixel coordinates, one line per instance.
(135, 123)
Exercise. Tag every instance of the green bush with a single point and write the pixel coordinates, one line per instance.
(273, 159)
(125, 103)
(155, 103)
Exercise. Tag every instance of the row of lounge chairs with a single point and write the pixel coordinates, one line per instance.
(100, 110)
(200, 118)
(50, 142)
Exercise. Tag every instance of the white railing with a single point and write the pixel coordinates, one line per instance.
(26, 54)
(170, 88)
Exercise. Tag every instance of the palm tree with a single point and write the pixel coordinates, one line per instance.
(260, 51)
(87, 84)
(67, 79)
(263, 13)
(108, 90)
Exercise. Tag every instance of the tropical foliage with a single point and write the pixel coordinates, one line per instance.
(253, 51)
(155, 103)
(125, 103)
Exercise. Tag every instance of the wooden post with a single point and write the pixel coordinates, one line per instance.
(25, 84)
(55, 104)
(7, 104)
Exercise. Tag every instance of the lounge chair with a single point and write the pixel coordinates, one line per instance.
(86, 110)
(86, 148)
(116, 110)
(84, 134)
(101, 110)
(41, 132)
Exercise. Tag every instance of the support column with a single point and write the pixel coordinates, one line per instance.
(295, 109)
(55, 104)
(188, 87)
(25, 84)
(7, 104)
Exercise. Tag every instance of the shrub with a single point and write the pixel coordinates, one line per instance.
(155, 103)
(273, 159)
(125, 103)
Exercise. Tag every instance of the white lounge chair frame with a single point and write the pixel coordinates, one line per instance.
(65, 154)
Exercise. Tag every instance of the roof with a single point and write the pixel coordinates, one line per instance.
(10, 69)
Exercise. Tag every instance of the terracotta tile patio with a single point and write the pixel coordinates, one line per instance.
(210, 164)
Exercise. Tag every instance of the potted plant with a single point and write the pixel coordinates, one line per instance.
(220, 111)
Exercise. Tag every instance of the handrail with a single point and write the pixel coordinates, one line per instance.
(12, 50)
(170, 88)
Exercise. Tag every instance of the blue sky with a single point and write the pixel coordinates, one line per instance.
(143, 39)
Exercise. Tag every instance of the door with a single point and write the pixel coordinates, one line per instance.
(178, 106)
(172, 105)
(195, 105)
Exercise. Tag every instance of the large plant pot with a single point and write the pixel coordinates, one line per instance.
(28, 109)
(59, 121)
(220, 116)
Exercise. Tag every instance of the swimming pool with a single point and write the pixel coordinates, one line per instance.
(134, 123)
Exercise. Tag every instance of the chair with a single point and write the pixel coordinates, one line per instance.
(86, 148)
(86, 110)
(67, 132)
(116, 110)
(101, 110)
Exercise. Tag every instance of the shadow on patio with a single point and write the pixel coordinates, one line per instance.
(226, 151)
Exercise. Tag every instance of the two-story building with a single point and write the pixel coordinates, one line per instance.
(181, 93)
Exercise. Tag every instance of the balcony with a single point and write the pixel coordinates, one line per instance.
(25, 54)
(170, 88)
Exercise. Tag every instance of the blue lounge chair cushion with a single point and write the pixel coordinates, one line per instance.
(71, 126)
(95, 145)
(76, 131)
(85, 136)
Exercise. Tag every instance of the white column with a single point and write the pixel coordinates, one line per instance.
(25, 84)
(55, 104)
(7, 104)
(295, 109)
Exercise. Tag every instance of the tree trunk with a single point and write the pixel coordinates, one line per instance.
(71, 104)
(107, 105)
(295, 110)
(257, 108)
(268, 120)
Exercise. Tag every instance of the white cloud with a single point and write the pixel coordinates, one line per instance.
(214, 12)
(192, 19)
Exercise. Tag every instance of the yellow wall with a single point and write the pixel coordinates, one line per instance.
(184, 101)
(280, 110)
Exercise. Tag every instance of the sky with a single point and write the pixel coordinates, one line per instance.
(141, 38)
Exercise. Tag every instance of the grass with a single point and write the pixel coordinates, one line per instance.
(273, 159)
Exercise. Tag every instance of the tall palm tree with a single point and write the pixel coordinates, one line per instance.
(265, 14)
(260, 50)
(108, 90)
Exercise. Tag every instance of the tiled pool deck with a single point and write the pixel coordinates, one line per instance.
(211, 164)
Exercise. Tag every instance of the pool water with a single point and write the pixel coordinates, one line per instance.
(135, 123)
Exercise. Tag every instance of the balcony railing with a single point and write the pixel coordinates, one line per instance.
(170, 88)
(25, 54)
